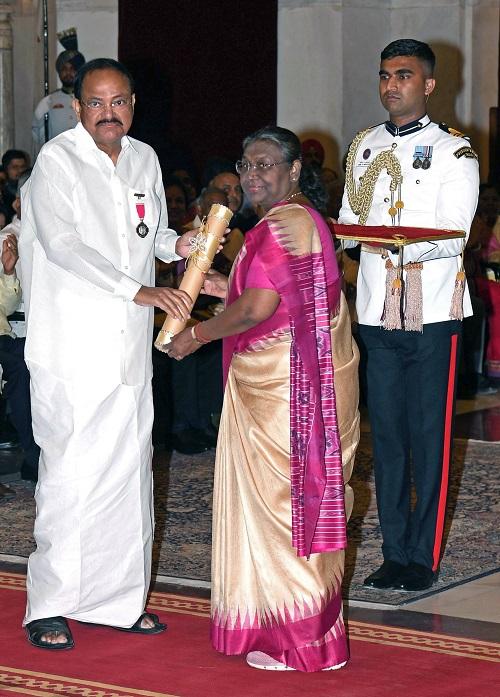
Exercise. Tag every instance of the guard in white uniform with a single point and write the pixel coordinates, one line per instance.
(94, 218)
(411, 369)
(59, 104)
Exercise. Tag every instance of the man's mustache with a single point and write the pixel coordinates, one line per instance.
(110, 121)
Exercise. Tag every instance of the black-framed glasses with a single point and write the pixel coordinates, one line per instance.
(244, 166)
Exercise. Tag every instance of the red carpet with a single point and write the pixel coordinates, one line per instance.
(385, 662)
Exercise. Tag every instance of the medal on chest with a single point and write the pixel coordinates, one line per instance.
(141, 229)
(422, 156)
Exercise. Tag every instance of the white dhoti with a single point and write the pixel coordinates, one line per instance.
(94, 524)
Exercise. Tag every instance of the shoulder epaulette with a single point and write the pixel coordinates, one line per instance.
(363, 132)
(452, 131)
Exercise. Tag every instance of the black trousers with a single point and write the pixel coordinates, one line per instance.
(410, 395)
(17, 393)
(186, 393)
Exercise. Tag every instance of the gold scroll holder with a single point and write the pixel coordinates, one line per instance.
(204, 247)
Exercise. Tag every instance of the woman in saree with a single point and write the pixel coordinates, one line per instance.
(289, 425)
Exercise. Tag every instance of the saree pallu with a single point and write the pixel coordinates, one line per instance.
(264, 596)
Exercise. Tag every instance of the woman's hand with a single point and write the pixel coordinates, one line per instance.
(10, 254)
(215, 284)
(182, 345)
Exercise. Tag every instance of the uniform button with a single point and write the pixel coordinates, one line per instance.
(386, 200)
(418, 181)
(123, 235)
(122, 331)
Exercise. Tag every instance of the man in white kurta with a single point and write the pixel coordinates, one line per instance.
(89, 292)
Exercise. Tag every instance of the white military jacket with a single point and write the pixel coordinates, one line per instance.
(83, 261)
(62, 116)
(442, 194)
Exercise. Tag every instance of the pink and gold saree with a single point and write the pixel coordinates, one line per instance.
(288, 435)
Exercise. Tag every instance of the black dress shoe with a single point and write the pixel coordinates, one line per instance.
(386, 576)
(416, 577)
(28, 473)
(6, 493)
(7, 443)
(209, 436)
(189, 442)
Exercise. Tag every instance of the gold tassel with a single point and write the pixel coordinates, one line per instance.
(391, 318)
(414, 303)
(457, 300)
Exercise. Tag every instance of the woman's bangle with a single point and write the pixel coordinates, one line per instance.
(198, 335)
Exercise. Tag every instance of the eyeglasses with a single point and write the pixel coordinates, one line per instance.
(244, 166)
(97, 105)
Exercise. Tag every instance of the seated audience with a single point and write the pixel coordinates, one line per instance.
(486, 230)
(12, 340)
(14, 163)
(10, 297)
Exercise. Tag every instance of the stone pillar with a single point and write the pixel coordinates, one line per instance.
(310, 72)
(6, 91)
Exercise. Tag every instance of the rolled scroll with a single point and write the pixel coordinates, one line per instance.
(204, 248)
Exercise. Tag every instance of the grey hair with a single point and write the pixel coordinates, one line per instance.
(286, 140)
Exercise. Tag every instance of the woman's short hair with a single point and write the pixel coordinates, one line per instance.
(286, 140)
(310, 181)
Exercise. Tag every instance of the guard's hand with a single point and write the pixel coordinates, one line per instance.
(183, 244)
(10, 254)
(175, 303)
(182, 345)
(215, 284)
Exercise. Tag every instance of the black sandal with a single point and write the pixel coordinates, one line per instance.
(136, 628)
(57, 625)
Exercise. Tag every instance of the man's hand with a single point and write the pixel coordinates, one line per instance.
(9, 254)
(183, 244)
(175, 303)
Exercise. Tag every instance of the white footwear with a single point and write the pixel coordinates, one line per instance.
(260, 660)
(337, 667)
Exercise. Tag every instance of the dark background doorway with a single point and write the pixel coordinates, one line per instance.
(205, 74)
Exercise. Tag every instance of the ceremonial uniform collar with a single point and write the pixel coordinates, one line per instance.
(408, 128)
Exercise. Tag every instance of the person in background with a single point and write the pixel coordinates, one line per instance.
(59, 104)
(313, 153)
(177, 203)
(187, 180)
(14, 163)
(10, 297)
(15, 371)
